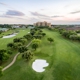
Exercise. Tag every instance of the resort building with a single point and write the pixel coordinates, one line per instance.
(44, 24)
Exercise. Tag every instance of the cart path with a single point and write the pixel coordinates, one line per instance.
(14, 59)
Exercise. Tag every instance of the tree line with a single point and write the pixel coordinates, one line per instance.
(72, 35)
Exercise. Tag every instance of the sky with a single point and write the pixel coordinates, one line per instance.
(31, 11)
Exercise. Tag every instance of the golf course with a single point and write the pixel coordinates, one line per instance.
(62, 55)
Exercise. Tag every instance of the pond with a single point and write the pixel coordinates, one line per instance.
(9, 36)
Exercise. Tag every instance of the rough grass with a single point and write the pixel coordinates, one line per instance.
(63, 57)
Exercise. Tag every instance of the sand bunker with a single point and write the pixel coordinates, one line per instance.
(39, 64)
(9, 36)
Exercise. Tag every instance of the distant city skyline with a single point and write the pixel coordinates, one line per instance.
(32, 11)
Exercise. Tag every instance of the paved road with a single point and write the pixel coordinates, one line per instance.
(14, 59)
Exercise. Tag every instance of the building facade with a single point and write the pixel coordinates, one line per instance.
(42, 24)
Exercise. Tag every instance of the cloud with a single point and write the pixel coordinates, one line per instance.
(46, 17)
(38, 14)
(56, 16)
(66, 6)
(42, 9)
(41, 16)
(34, 19)
(4, 4)
(7, 16)
(75, 12)
(21, 18)
(78, 19)
(14, 13)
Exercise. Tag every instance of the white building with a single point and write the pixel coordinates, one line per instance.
(15, 26)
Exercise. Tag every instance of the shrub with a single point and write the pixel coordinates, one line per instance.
(6, 56)
(50, 40)
(9, 52)
(43, 34)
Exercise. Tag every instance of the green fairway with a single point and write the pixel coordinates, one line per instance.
(5, 41)
(62, 55)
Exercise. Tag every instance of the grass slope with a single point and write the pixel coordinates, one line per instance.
(63, 57)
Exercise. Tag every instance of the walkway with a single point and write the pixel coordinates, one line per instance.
(14, 59)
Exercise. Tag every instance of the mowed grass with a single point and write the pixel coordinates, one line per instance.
(5, 41)
(63, 57)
